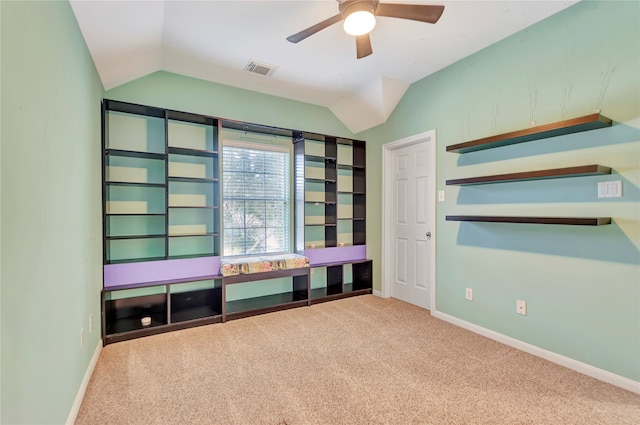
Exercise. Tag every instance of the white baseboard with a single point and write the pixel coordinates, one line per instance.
(592, 371)
(377, 293)
(73, 414)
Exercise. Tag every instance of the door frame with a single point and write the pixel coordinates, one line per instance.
(387, 208)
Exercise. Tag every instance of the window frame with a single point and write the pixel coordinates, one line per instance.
(266, 147)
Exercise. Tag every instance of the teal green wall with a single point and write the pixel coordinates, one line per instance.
(582, 284)
(173, 91)
(51, 211)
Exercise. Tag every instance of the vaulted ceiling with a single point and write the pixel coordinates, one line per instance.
(216, 40)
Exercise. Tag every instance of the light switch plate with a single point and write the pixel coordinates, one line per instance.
(611, 189)
(441, 196)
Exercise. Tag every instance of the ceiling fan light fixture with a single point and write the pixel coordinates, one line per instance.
(359, 19)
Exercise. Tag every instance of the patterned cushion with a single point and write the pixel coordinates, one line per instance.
(257, 264)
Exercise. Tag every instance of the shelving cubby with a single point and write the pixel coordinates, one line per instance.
(340, 280)
(170, 306)
(297, 294)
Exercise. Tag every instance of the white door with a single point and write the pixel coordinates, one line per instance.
(411, 232)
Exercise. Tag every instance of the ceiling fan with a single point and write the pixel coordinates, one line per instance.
(359, 19)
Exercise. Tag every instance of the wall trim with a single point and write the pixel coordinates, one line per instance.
(377, 293)
(73, 414)
(578, 366)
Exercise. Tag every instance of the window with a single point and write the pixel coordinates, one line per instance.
(255, 195)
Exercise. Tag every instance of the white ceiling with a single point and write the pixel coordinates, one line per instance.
(215, 40)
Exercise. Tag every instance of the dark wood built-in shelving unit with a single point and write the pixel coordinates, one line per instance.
(162, 222)
(580, 171)
(575, 125)
(572, 221)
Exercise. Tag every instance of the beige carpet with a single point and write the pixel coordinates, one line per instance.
(363, 360)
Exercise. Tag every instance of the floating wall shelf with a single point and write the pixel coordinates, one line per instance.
(573, 221)
(584, 170)
(575, 125)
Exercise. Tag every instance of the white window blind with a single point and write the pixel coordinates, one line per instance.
(255, 192)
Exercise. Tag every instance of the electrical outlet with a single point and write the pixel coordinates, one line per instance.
(469, 294)
(82, 338)
(90, 322)
(521, 307)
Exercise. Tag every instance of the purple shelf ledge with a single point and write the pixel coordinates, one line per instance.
(143, 273)
(339, 254)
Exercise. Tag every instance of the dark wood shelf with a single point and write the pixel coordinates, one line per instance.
(192, 179)
(191, 152)
(572, 221)
(136, 184)
(193, 206)
(324, 292)
(351, 289)
(275, 274)
(129, 324)
(133, 108)
(135, 154)
(178, 257)
(191, 118)
(320, 295)
(135, 260)
(111, 336)
(316, 158)
(191, 235)
(116, 238)
(321, 202)
(163, 282)
(350, 167)
(265, 304)
(315, 180)
(135, 214)
(584, 170)
(575, 125)
(194, 313)
(340, 263)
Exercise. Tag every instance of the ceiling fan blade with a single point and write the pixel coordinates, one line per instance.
(314, 29)
(363, 46)
(415, 12)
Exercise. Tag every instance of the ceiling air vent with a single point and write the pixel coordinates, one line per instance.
(260, 68)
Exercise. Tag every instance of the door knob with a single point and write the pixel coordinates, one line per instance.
(428, 235)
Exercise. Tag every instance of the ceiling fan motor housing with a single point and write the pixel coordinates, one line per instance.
(347, 7)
